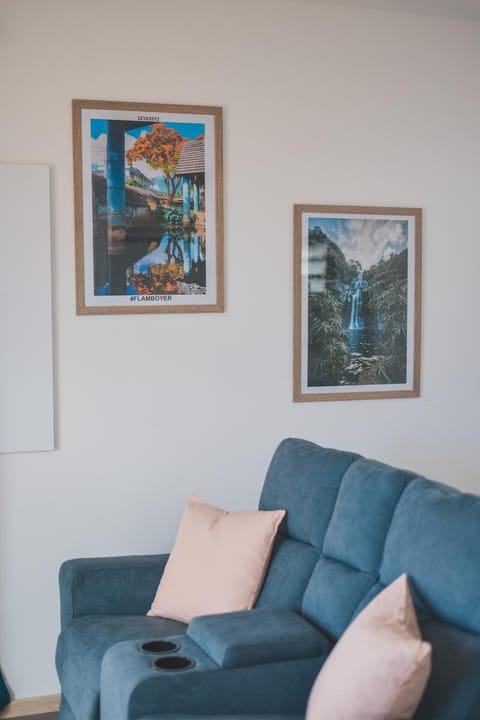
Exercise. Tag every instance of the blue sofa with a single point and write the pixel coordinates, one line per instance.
(353, 525)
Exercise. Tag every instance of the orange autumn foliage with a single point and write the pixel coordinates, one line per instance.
(162, 279)
(161, 148)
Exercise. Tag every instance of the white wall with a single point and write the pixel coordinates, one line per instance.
(323, 105)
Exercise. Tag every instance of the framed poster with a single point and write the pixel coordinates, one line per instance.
(148, 207)
(357, 302)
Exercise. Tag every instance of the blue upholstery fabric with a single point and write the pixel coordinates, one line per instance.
(288, 575)
(368, 597)
(333, 593)
(257, 636)
(357, 530)
(453, 692)
(222, 717)
(101, 586)
(475, 712)
(132, 687)
(65, 712)
(435, 538)
(303, 479)
(81, 648)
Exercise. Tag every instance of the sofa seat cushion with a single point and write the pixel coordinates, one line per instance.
(81, 648)
(453, 691)
(257, 636)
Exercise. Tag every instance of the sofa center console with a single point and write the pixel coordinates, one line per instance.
(257, 636)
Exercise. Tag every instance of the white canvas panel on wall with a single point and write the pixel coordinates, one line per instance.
(26, 373)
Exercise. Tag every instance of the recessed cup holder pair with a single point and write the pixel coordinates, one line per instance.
(173, 663)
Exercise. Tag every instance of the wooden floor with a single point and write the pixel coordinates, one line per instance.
(48, 716)
(44, 707)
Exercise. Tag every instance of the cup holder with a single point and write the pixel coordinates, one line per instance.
(159, 646)
(174, 663)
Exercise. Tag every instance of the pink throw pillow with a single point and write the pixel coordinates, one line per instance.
(218, 562)
(379, 667)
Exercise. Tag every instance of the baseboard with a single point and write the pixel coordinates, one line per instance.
(31, 706)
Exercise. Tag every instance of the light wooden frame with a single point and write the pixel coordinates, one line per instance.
(305, 217)
(208, 242)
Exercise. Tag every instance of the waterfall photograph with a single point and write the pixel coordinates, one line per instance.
(357, 302)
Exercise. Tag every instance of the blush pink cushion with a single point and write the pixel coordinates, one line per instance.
(218, 562)
(379, 667)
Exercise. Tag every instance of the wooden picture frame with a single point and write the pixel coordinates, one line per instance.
(357, 302)
(148, 182)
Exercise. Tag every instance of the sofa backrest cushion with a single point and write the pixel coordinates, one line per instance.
(303, 478)
(435, 538)
(288, 575)
(353, 544)
(333, 593)
(339, 505)
(366, 501)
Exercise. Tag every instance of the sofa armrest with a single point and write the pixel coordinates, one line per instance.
(132, 687)
(108, 586)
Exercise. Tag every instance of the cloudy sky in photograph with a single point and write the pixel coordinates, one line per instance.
(365, 240)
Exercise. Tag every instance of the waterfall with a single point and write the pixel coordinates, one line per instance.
(358, 284)
(354, 325)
